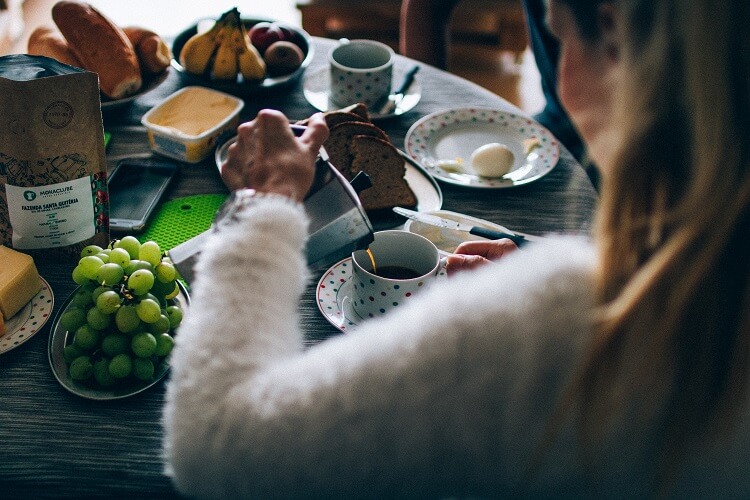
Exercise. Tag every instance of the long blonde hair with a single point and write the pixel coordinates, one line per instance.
(674, 227)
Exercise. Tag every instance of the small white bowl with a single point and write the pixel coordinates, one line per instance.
(174, 129)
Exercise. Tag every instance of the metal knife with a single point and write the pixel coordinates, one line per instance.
(434, 220)
(398, 95)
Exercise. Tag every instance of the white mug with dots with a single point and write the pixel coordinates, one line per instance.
(361, 71)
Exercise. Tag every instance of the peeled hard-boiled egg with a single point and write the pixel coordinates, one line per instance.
(492, 160)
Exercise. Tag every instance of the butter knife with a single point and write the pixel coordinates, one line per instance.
(483, 232)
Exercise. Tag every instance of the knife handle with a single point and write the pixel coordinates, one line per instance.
(491, 234)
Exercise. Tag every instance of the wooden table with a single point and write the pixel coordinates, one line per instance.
(53, 443)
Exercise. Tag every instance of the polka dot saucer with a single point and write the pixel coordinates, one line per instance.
(29, 320)
(333, 295)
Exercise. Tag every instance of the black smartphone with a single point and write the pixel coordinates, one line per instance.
(135, 188)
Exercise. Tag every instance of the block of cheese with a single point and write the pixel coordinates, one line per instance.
(19, 281)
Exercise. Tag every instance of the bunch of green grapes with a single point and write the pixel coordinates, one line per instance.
(123, 314)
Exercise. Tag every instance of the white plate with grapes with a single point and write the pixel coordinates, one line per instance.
(112, 336)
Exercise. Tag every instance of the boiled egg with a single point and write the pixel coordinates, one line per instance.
(492, 160)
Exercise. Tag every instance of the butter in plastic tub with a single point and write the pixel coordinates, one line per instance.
(188, 123)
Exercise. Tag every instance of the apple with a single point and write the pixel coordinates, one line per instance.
(263, 34)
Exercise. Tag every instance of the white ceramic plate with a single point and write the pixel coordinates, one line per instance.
(317, 83)
(29, 320)
(448, 239)
(428, 192)
(59, 338)
(455, 134)
(334, 298)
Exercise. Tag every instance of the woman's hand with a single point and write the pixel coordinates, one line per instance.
(473, 254)
(269, 158)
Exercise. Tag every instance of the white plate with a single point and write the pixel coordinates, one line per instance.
(317, 91)
(453, 134)
(29, 320)
(448, 239)
(334, 298)
(59, 338)
(428, 192)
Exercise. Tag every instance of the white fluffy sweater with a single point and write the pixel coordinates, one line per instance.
(447, 397)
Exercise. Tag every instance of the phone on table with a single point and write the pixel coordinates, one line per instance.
(135, 188)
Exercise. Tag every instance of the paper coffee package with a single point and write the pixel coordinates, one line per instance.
(53, 170)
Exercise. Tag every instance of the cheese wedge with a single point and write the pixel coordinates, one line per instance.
(19, 281)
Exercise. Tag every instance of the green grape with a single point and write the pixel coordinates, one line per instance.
(119, 256)
(110, 274)
(115, 343)
(108, 302)
(97, 319)
(91, 250)
(143, 344)
(160, 288)
(78, 277)
(136, 264)
(148, 310)
(98, 291)
(130, 244)
(150, 252)
(89, 266)
(159, 326)
(120, 366)
(143, 369)
(174, 293)
(82, 296)
(164, 344)
(141, 281)
(174, 313)
(81, 368)
(127, 319)
(103, 256)
(102, 375)
(72, 351)
(165, 272)
(86, 337)
(72, 319)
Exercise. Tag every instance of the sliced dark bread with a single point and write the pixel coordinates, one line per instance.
(338, 143)
(384, 164)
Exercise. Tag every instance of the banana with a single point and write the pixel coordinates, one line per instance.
(225, 63)
(252, 66)
(197, 52)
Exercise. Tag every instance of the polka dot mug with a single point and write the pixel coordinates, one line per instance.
(361, 71)
(404, 264)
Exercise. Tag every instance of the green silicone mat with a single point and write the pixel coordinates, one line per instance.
(179, 220)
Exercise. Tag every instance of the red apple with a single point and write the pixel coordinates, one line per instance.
(263, 34)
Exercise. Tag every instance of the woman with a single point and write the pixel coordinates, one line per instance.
(567, 369)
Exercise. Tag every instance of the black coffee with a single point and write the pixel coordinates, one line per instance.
(397, 273)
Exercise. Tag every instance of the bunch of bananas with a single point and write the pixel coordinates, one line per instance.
(224, 51)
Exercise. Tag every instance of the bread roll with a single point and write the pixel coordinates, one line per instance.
(46, 41)
(152, 51)
(101, 46)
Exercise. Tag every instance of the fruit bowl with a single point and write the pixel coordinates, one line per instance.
(301, 38)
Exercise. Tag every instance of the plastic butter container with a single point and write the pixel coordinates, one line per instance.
(187, 124)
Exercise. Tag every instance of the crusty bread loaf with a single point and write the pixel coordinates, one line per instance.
(46, 41)
(152, 51)
(101, 46)
(384, 164)
(338, 144)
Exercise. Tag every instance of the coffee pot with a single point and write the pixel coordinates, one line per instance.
(338, 223)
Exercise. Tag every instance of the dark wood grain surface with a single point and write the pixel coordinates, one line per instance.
(56, 444)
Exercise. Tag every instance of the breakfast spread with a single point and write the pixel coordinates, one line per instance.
(87, 39)
(19, 282)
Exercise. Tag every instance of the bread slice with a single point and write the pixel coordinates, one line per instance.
(384, 164)
(338, 144)
(359, 109)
